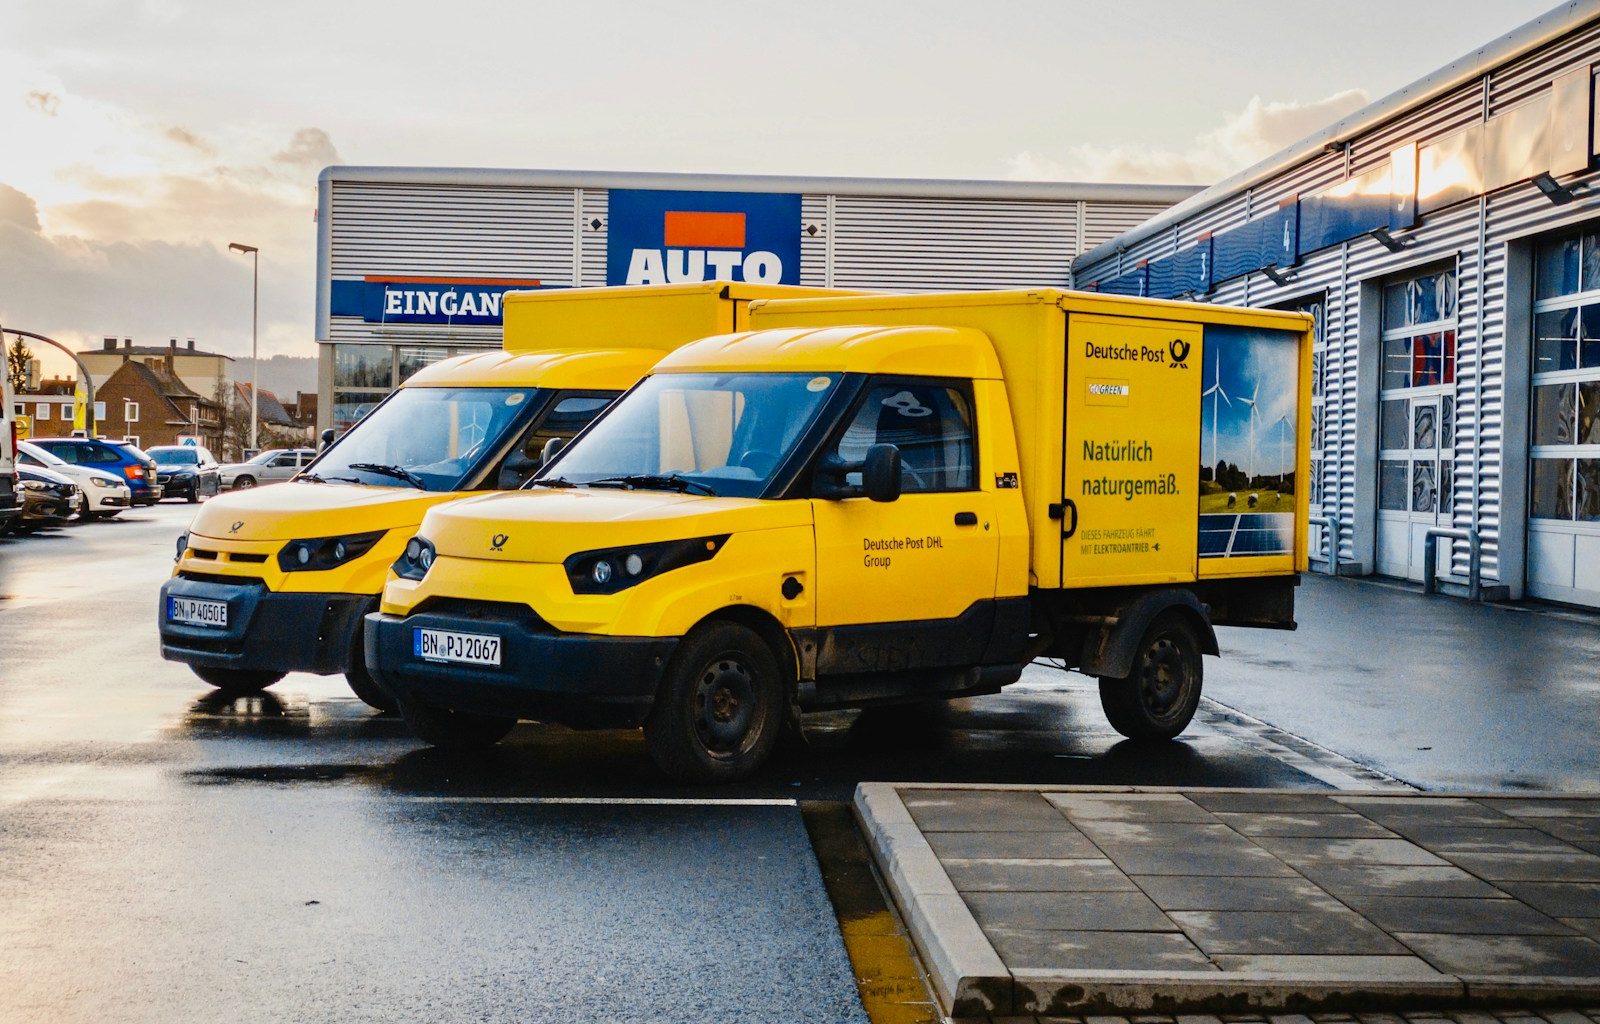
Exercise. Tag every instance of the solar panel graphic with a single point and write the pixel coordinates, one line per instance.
(1237, 534)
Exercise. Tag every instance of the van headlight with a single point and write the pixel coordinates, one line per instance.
(325, 552)
(613, 569)
(183, 545)
(415, 561)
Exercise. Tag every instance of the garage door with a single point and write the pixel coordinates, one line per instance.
(1416, 418)
(1564, 435)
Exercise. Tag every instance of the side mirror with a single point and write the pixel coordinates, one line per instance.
(328, 436)
(880, 473)
(551, 449)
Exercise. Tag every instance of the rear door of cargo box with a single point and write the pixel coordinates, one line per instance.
(1129, 494)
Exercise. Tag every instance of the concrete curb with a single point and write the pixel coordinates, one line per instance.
(970, 979)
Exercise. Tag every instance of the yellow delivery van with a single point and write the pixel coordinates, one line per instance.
(874, 500)
(275, 580)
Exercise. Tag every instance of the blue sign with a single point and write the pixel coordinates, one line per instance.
(424, 300)
(663, 237)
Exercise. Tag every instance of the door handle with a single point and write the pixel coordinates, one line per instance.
(966, 519)
(1068, 506)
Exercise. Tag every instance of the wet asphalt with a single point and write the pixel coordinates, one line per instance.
(169, 855)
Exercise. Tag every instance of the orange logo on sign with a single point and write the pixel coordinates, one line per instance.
(685, 230)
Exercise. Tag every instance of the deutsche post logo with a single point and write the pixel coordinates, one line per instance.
(1179, 350)
(498, 542)
(238, 525)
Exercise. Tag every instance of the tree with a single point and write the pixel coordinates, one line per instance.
(18, 356)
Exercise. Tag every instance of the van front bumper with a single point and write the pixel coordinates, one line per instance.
(266, 630)
(574, 679)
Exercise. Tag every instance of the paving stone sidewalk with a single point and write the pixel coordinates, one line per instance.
(1070, 901)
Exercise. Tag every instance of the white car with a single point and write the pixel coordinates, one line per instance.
(272, 466)
(103, 494)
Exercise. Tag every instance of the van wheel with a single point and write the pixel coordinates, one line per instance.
(1158, 700)
(364, 686)
(454, 730)
(236, 680)
(720, 706)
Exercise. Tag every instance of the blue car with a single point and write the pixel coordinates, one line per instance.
(124, 460)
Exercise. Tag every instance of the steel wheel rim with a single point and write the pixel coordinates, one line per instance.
(727, 703)
(1163, 677)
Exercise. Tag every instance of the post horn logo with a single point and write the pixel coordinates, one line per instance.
(1179, 350)
(498, 542)
(238, 524)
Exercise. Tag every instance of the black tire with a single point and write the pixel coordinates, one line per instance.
(241, 482)
(194, 495)
(454, 730)
(237, 680)
(364, 686)
(1157, 701)
(720, 707)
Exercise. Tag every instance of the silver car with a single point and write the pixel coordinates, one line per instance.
(270, 467)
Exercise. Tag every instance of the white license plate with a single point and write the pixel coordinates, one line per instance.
(197, 613)
(467, 648)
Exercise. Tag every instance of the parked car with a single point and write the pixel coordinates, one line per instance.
(186, 471)
(124, 460)
(48, 499)
(102, 495)
(271, 466)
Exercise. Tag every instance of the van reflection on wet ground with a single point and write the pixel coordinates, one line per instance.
(271, 714)
(261, 714)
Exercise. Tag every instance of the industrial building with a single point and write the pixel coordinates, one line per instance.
(412, 262)
(1447, 237)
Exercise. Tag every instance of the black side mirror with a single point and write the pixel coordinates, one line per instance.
(552, 448)
(880, 475)
(328, 436)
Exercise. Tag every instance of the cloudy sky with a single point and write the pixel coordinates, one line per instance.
(139, 137)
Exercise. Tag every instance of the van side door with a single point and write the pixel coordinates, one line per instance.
(908, 583)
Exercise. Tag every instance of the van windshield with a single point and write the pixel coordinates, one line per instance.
(428, 438)
(722, 433)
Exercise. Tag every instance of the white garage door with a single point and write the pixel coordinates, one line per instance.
(1564, 467)
(1416, 418)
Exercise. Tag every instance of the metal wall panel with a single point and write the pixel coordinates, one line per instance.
(1105, 221)
(1515, 82)
(920, 244)
(814, 243)
(592, 231)
(1460, 108)
(383, 228)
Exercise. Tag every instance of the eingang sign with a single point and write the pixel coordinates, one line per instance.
(424, 300)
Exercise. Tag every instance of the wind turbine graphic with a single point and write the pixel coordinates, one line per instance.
(1251, 402)
(1216, 389)
(1283, 442)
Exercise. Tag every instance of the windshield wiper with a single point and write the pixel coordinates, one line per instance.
(318, 478)
(551, 481)
(398, 472)
(671, 481)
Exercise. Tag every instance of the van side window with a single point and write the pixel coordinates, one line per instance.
(929, 423)
(570, 415)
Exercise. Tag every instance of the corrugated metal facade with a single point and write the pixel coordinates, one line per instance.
(395, 224)
(1485, 239)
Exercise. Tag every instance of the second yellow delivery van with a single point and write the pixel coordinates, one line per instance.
(276, 579)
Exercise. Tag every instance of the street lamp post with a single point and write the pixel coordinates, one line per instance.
(255, 307)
